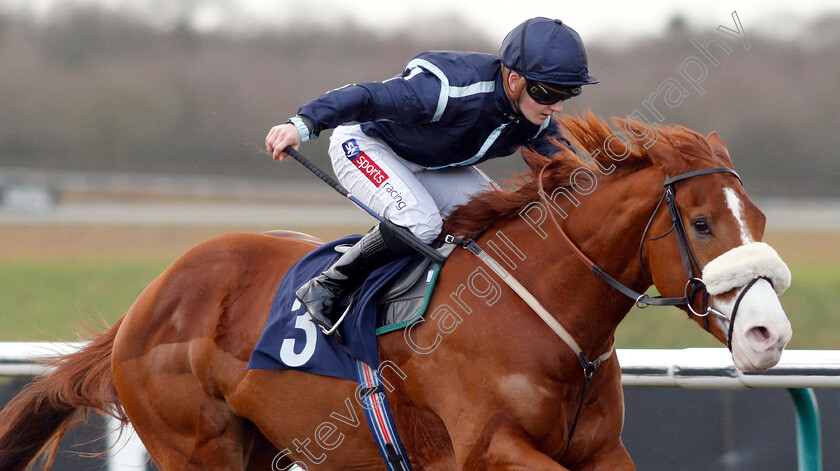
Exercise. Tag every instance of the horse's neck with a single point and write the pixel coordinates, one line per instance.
(607, 226)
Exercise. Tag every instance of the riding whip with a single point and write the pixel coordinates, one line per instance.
(401, 232)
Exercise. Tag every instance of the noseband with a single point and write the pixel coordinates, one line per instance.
(695, 284)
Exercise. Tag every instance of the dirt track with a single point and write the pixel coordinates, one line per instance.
(145, 241)
(123, 241)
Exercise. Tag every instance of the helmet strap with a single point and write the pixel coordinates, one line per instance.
(513, 94)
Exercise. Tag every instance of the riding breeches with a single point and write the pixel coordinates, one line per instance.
(403, 192)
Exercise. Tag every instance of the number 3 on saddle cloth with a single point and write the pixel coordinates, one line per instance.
(394, 296)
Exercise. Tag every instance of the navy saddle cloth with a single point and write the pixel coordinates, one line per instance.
(291, 340)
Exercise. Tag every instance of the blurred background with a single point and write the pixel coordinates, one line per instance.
(131, 130)
(191, 87)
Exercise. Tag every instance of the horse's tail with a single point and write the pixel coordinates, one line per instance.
(33, 423)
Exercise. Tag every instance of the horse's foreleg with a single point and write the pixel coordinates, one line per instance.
(615, 458)
(507, 448)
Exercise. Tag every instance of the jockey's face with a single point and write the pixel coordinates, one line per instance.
(535, 112)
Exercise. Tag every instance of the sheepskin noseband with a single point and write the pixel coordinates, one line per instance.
(740, 265)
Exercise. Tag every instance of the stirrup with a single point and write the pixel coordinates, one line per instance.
(334, 329)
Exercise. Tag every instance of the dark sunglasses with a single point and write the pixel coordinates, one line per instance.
(546, 95)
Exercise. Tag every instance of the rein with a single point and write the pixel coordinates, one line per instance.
(694, 284)
(687, 256)
(737, 304)
(689, 260)
(589, 367)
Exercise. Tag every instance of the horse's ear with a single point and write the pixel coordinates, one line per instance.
(666, 157)
(650, 140)
(719, 149)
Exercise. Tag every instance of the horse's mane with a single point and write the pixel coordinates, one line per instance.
(589, 135)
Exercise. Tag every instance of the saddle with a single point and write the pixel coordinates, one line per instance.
(392, 298)
(403, 300)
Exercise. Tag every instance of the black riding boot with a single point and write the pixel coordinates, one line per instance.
(321, 294)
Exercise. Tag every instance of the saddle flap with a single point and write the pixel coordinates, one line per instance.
(407, 279)
(403, 300)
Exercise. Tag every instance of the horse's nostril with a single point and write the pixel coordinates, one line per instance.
(760, 336)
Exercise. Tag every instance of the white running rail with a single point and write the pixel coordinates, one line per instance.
(688, 368)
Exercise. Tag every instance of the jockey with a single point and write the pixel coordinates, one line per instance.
(407, 147)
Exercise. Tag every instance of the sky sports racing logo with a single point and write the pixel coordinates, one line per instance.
(370, 169)
(351, 149)
(364, 163)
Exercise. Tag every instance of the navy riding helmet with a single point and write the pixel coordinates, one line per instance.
(546, 50)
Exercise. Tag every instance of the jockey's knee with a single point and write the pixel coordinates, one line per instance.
(425, 223)
(428, 230)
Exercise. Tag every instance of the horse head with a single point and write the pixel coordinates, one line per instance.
(701, 247)
(732, 278)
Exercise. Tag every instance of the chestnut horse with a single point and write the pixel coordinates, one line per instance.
(482, 383)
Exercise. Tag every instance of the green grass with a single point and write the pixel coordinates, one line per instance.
(55, 299)
(813, 305)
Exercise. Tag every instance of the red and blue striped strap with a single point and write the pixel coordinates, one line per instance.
(372, 395)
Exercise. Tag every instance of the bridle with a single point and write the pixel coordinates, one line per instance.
(693, 272)
(694, 284)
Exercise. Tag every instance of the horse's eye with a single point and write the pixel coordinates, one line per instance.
(702, 227)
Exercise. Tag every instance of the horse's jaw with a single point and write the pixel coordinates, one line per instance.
(761, 328)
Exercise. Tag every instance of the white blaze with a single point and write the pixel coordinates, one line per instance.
(761, 329)
(737, 207)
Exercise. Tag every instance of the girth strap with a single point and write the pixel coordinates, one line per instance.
(372, 395)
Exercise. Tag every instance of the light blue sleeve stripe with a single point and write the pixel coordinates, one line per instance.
(474, 89)
(481, 152)
(542, 128)
(414, 71)
(304, 131)
(443, 99)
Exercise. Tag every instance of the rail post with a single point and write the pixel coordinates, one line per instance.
(808, 439)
